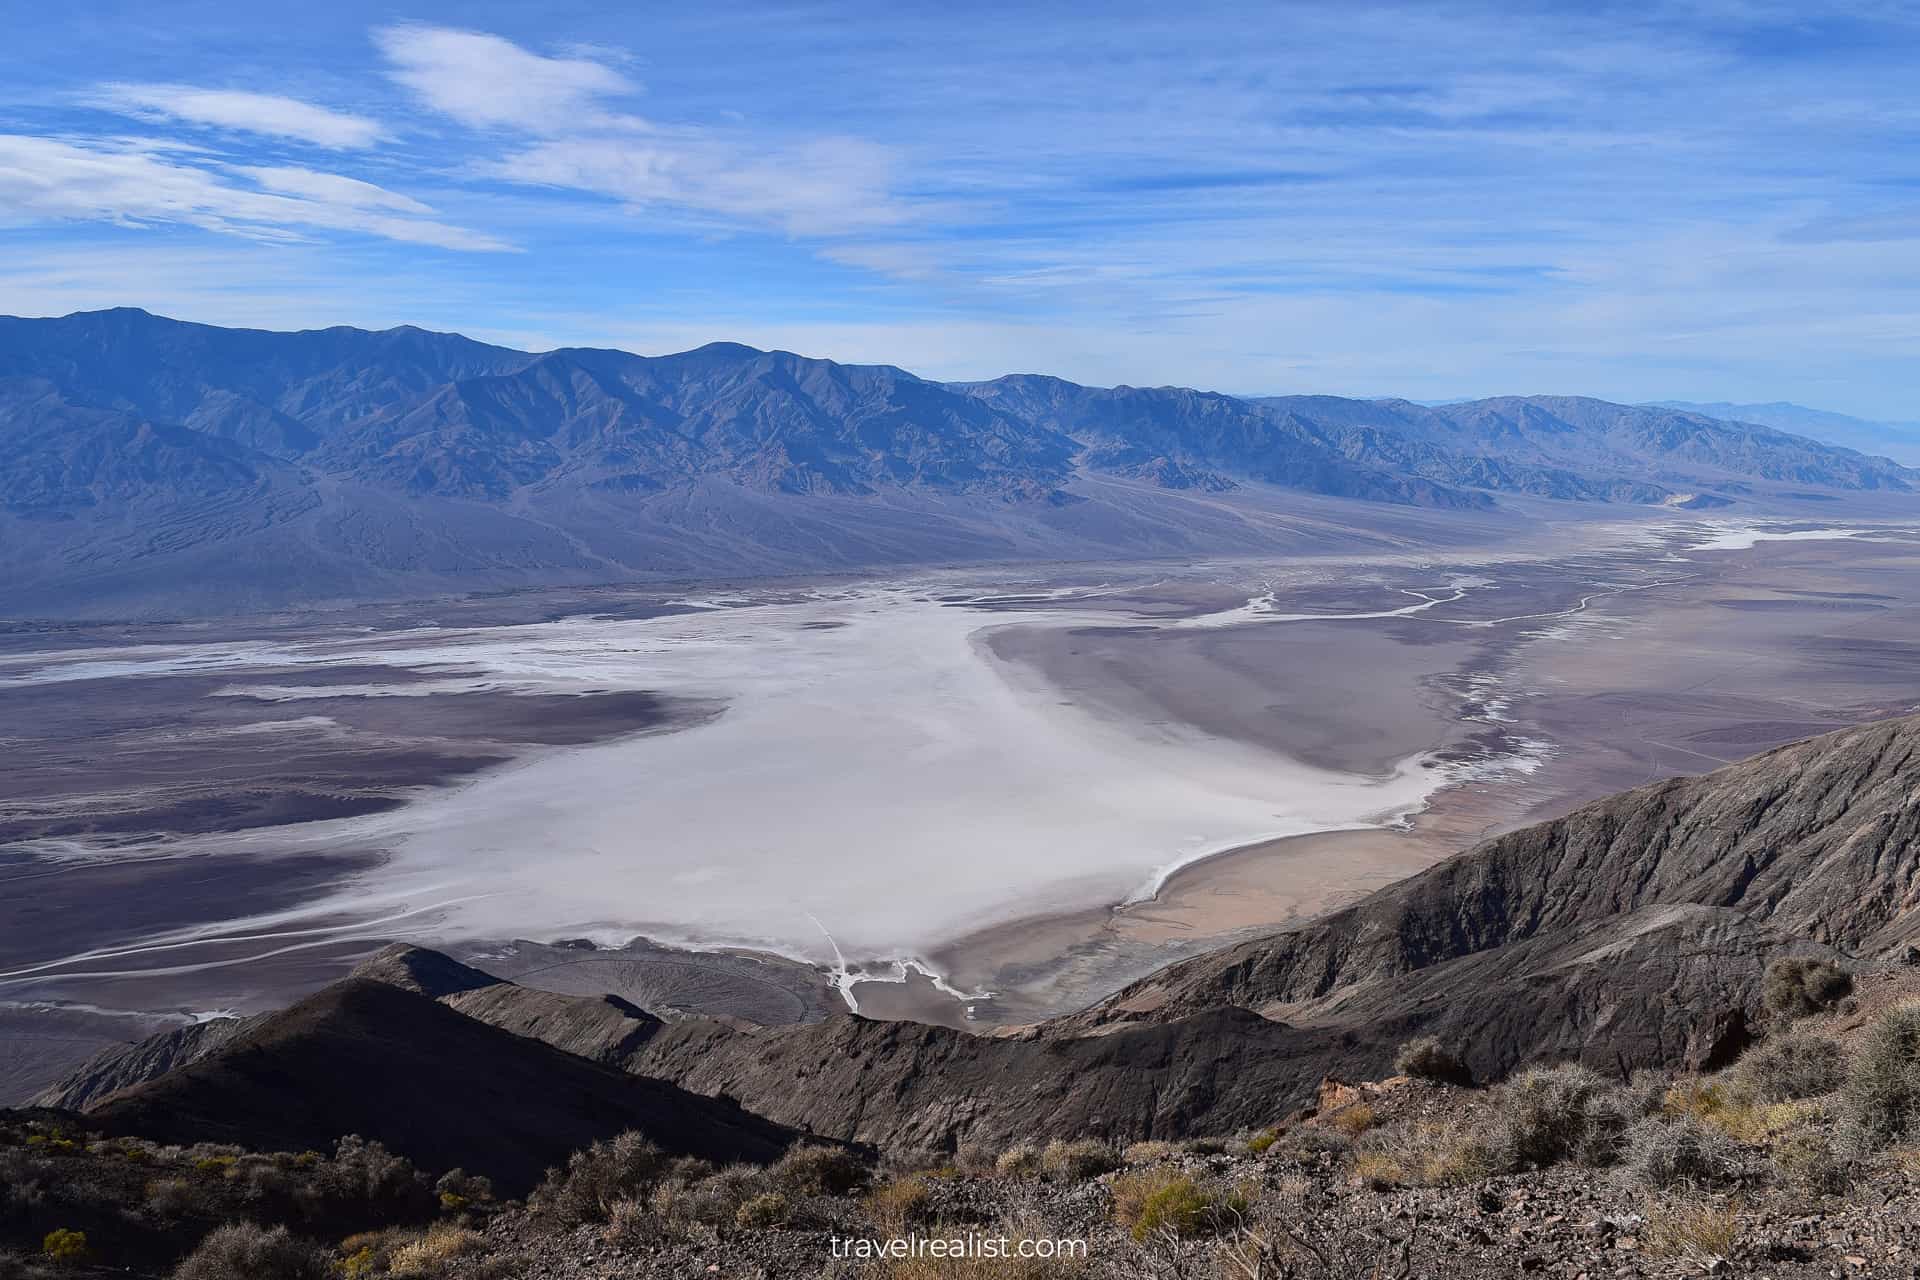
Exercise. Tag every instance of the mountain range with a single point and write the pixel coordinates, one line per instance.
(148, 463)
(1899, 441)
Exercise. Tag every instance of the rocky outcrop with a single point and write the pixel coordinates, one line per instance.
(126, 1065)
(1819, 840)
(443, 1089)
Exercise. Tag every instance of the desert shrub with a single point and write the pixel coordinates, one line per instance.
(819, 1171)
(1352, 1121)
(368, 1176)
(1660, 1153)
(976, 1158)
(1692, 1231)
(433, 1254)
(172, 1197)
(1149, 1152)
(370, 1253)
(1429, 1154)
(609, 1171)
(242, 1251)
(1262, 1142)
(1377, 1169)
(1790, 1066)
(1426, 1058)
(633, 1225)
(1808, 1163)
(900, 1203)
(768, 1209)
(1550, 1114)
(1881, 1096)
(1797, 986)
(1078, 1161)
(1021, 1161)
(459, 1190)
(65, 1245)
(709, 1199)
(1153, 1204)
(1206, 1146)
(1310, 1145)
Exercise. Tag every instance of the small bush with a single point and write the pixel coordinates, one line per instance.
(172, 1197)
(819, 1171)
(64, 1245)
(1377, 1170)
(901, 1203)
(1808, 1163)
(1432, 1154)
(1078, 1161)
(1796, 986)
(1427, 1059)
(1693, 1231)
(1155, 1204)
(1790, 1066)
(1261, 1143)
(1022, 1161)
(1683, 1151)
(1149, 1152)
(1550, 1114)
(768, 1209)
(1881, 1096)
(633, 1225)
(609, 1171)
(242, 1251)
(1352, 1121)
(1310, 1145)
(433, 1255)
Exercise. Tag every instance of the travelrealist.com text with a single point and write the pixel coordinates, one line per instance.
(960, 1246)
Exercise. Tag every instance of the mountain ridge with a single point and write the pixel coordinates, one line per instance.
(144, 459)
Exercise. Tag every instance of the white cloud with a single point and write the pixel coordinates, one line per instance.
(331, 188)
(485, 81)
(47, 178)
(814, 187)
(262, 113)
(821, 188)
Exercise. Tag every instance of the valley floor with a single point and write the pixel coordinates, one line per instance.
(959, 770)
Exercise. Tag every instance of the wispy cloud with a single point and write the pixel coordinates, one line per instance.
(484, 81)
(807, 187)
(132, 184)
(231, 109)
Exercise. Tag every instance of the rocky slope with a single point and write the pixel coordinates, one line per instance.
(443, 1089)
(141, 456)
(1633, 933)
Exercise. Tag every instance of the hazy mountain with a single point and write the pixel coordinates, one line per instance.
(1899, 441)
(148, 463)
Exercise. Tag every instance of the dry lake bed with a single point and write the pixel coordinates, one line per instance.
(978, 796)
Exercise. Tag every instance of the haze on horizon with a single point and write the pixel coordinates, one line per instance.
(1695, 201)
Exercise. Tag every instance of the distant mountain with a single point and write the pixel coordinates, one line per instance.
(1899, 441)
(147, 463)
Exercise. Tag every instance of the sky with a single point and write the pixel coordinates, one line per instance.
(1708, 201)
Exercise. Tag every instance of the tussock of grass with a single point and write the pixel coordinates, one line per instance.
(1352, 1121)
(1691, 1231)
(1159, 1203)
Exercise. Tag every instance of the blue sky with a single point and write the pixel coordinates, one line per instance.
(1709, 201)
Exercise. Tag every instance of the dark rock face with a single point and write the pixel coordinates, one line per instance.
(442, 1089)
